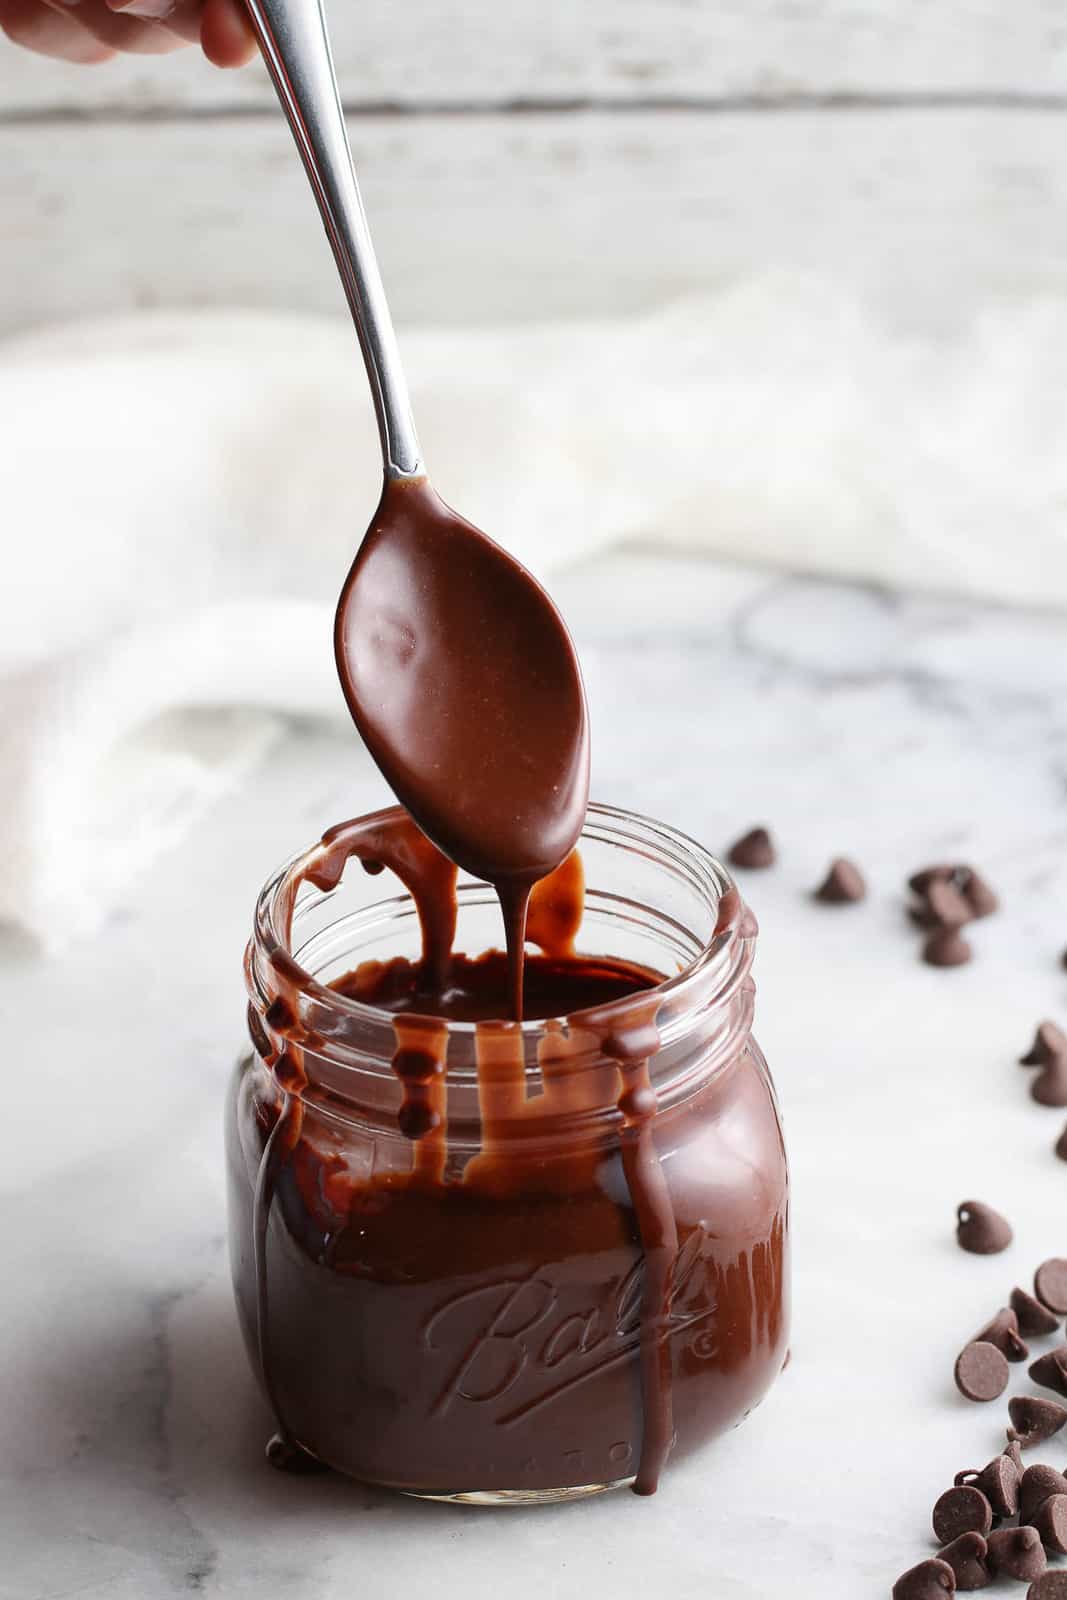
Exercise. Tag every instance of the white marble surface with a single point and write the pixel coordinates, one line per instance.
(895, 730)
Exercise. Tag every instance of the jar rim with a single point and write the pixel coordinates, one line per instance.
(708, 978)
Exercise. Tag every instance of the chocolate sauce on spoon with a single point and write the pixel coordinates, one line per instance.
(461, 676)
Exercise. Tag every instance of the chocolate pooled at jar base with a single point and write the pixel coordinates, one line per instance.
(575, 1258)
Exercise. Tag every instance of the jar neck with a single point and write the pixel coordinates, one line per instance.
(566, 1072)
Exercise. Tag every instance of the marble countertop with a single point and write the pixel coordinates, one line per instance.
(895, 730)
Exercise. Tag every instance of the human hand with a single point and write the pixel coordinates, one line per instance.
(96, 30)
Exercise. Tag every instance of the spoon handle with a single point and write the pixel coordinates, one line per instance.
(296, 47)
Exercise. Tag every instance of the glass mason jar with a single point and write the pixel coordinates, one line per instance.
(554, 1284)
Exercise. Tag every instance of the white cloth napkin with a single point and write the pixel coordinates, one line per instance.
(182, 495)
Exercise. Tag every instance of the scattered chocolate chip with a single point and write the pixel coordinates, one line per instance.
(945, 948)
(981, 1230)
(1049, 1088)
(1049, 1042)
(1016, 1553)
(920, 881)
(1061, 1145)
(1050, 1284)
(980, 897)
(754, 849)
(999, 1482)
(1003, 1331)
(843, 885)
(1035, 1420)
(1014, 1454)
(967, 1558)
(946, 906)
(961, 1510)
(1032, 1317)
(981, 1372)
(950, 896)
(941, 907)
(1050, 1520)
(1035, 1486)
(1051, 1371)
(930, 1580)
(1050, 1586)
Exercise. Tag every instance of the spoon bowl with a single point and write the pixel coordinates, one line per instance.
(460, 675)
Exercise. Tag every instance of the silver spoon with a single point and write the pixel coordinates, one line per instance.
(295, 42)
(457, 668)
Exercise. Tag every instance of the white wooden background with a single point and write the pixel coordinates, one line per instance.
(551, 157)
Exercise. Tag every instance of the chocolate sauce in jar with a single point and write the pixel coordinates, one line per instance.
(524, 1320)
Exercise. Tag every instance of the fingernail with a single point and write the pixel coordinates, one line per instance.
(148, 10)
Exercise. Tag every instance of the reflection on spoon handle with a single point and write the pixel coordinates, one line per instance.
(296, 46)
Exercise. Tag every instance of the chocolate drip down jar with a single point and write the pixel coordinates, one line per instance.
(486, 1261)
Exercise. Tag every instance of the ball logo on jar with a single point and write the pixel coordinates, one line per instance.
(518, 1341)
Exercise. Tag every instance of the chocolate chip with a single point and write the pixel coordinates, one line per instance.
(1016, 1553)
(1049, 1042)
(941, 905)
(946, 906)
(1050, 1520)
(920, 881)
(930, 1580)
(1035, 1420)
(1049, 1088)
(1003, 1331)
(1035, 1486)
(961, 1510)
(945, 948)
(844, 884)
(1061, 1145)
(963, 882)
(754, 849)
(1050, 1284)
(999, 1482)
(981, 1230)
(981, 1372)
(1051, 1371)
(1050, 1586)
(967, 1558)
(1014, 1454)
(980, 897)
(1032, 1317)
